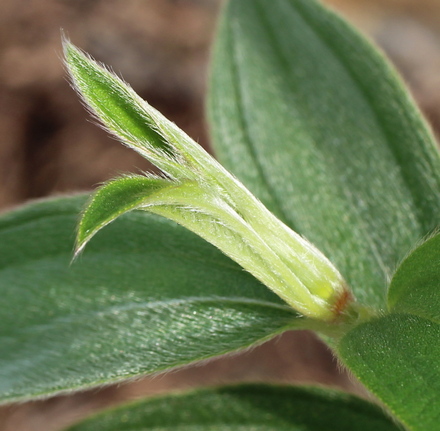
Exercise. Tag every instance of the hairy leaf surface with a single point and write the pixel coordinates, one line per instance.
(415, 287)
(316, 123)
(397, 358)
(146, 296)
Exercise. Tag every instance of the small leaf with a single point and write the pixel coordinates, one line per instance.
(318, 126)
(113, 200)
(121, 109)
(397, 358)
(139, 125)
(147, 295)
(246, 408)
(415, 287)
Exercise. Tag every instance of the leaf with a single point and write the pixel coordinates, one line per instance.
(128, 192)
(315, 123)
(396, 358)
(146, 296)
(202, 196)
(122, 110)
(141, 127)
(415, 287)
(248, 407)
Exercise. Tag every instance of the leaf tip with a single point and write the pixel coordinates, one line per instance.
(69, 49)
(82, 238)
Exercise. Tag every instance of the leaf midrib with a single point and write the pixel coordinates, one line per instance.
(246, 128)
(365, 94)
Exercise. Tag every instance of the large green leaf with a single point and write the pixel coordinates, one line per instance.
(314, 121)
(246, 408)
(415, 287)
(146, 295)
(397, 358)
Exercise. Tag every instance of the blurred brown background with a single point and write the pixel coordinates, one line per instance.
(48, 144)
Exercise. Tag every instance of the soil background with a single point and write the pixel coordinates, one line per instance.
(48, 145)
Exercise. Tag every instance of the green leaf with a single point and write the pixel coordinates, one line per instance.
(128, 192)
(202, 196)
(146, 296)
(415, 287)
(122, 109)
(140, 126)
(397, 358)
(248, 407)
(316, 124)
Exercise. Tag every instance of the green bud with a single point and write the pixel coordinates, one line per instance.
(201, 195)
